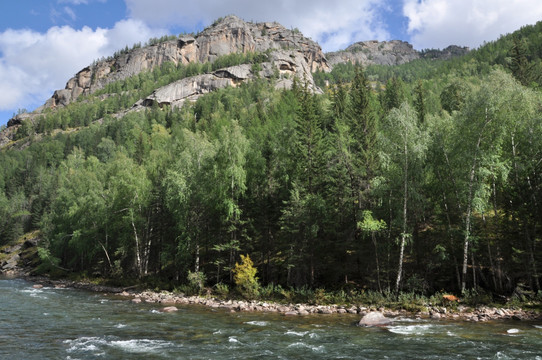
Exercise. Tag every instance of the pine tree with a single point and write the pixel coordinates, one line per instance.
(419, 101)
(521, 69)
(363, 125)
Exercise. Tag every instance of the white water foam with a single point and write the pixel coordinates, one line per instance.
(501, 355)
(37, 293)
(296, 333)
(85, 344)
(513, 331)
(120, 326)
(307, 346)
(233, 340)
(96, 345)
(412, 329)
(257, 323)
(140, 345)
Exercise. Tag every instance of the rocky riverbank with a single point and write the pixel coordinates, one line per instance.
(168, 302)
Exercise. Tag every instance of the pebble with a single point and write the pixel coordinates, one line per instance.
(482, 313)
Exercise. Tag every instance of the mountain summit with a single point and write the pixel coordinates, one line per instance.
(289, 55)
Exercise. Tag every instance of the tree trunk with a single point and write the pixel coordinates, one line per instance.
(403, 235)
(376, 258)
(469, 204)
(136, 238)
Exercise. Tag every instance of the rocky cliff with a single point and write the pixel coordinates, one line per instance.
(393, 52)
(283, 65)
(228, 35)
(290, 55)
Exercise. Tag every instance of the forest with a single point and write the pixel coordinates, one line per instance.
(421, 178)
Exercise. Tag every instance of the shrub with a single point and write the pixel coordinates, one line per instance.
(196, 280)
(245, 277)
(222, 290)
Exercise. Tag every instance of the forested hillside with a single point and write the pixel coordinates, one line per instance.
(421, 177)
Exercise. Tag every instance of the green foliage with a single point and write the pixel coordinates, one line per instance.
(245, 277)
(222, 290)
(370, 224)
(196, 280)
(314, 187)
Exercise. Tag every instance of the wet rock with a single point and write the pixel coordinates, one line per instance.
(374, 318)
(38, 286)
(283, 309)
(290, 313)
(435, 316)
(169, 309)
(136, 300)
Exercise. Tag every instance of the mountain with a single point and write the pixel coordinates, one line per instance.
(167, 162)
(289, 55)
(395, 52)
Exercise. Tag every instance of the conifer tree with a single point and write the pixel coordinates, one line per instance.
(519, 64)
(419, 101)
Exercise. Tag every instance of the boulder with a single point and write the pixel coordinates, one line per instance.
(435, 315)
(169, 309)
(374, 318)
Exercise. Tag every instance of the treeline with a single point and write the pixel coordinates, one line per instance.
(520, 52)
(416, 186)
(354, 188)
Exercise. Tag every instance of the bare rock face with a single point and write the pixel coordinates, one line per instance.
(446, 53)
(230, 35)
(393, 52)
(374, 318)
(292, 54)
(233, 35)
(286, 65)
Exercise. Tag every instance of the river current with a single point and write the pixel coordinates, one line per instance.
(53, 323)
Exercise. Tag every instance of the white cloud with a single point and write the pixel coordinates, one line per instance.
(70, 13)
(439, 23)
(334, 25)
(33, 65)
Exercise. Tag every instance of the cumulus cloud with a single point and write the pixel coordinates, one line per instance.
(439, 23)
(33, 64)
(334, 25)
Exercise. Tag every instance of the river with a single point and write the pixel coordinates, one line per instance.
(53, 323)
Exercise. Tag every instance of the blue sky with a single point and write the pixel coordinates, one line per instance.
(45, 42)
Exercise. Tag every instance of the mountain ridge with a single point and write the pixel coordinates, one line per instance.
(225, 36)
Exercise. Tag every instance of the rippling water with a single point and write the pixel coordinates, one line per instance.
(72, 324)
